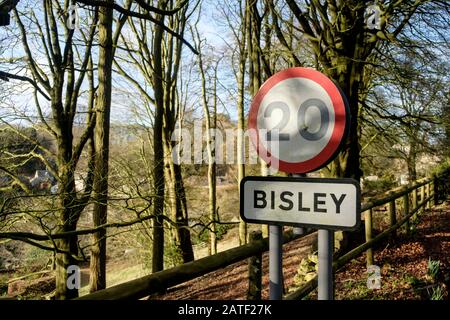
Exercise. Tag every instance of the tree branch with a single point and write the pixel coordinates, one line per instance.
(63, 235)
(6, 75)
(141, 3)
(16, 179)
(144, 16)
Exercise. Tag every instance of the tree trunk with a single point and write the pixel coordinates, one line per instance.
(101, 138)
(210, 124)
(63, 261)
(348, 74)
(68, 217)
(184, 234)
(241, 144)
(212, 202)
(179, 214)
(68, 246)
(347, 164)
(173, 108)
(158, 151)
(411, 162)
(210, 146)
(255, 69)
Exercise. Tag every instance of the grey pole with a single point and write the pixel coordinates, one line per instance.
(325, 275)
(275, 262)
(298, 231)
(275, 252)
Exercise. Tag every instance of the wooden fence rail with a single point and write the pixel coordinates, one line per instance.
(160, 281)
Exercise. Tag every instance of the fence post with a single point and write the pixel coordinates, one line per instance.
(422, 197)
(415, 199)
(435, 191)
(392, 218)
(368, 225)
(406, 207)
(428, 206)
(255, 270)
(432, 204)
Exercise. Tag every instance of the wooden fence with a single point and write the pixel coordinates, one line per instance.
(409, 196)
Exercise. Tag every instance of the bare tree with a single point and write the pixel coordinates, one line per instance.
(60, 82)
(234, 13)
(344, 45)
(107, 42)
(208, 74)
(404, 105)
(157, 57)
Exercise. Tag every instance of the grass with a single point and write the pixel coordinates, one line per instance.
(438, 293)
(119, 274)
(433, 268)
(359, 291)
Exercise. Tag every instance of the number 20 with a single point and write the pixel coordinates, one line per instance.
(324, 123)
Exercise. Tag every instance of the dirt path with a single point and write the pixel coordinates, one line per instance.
(402, 264)
(231, 283)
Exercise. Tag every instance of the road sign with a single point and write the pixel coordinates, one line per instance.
(332, 204)
(300, 118)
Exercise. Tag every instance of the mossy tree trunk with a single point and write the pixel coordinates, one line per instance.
(158, 150)
(101, 138)
(173, 109)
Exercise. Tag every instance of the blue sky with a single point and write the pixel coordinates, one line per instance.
(210, 28)
(121, 103)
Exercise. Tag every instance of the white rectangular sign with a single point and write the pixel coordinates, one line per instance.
(322, 203)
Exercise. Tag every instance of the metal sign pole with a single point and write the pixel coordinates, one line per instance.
(275, 249)
(298, 231)
(325, 274)
(275, 262)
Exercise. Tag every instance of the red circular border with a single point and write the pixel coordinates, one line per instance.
(339, 118)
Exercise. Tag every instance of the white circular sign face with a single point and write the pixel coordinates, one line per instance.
(300, 119)
(295, 106)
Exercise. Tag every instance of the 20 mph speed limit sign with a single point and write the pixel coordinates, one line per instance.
(299, 118)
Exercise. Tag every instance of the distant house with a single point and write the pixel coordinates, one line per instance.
(54, 189)
(42, 180)
(79, 185)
